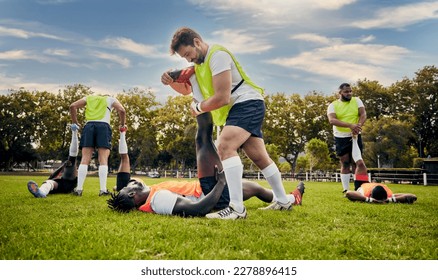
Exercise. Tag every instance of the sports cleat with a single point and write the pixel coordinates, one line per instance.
(33, 188)
(77, 192)
(227, 214)
(298, 193)
(182, 75)
(103, 193)
(278, 206)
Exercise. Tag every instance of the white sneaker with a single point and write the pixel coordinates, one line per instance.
(278, 206)
(227, 214)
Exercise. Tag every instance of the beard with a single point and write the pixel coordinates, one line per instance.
(200, 59)
(345, 98)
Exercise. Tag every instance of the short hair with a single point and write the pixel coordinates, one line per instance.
(379, 193)
(121, 202)
(184, 36)
(341, 87)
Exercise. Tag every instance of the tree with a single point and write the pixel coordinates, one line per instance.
(141, 137)
(317, 154)
(291, 121)
(172, 120)
(17, 120)
(387, 140)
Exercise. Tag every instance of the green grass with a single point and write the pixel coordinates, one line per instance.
(326, 227)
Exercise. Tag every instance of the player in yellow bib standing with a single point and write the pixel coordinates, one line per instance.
(96, 134)
(347, 115)
(236, 103)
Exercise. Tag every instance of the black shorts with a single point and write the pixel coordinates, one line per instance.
(345, 145)
(248, 115)
(96, 135)
(65, 185)
(207, 185)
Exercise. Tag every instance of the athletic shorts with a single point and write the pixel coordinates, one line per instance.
(248, 115)
(207, 185)
(96, 135)
(345, 145)
(65, 185)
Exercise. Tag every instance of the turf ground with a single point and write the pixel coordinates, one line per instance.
(326, 227)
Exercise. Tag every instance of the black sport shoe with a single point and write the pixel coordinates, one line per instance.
(103, 193)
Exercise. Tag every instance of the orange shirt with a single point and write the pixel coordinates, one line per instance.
(187, 188)
(368, 189)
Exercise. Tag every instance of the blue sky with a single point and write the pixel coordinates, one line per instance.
(293, 46)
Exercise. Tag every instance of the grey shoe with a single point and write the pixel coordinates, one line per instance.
(278, 206)
(77, 192)
(227, 214)
(103, 193)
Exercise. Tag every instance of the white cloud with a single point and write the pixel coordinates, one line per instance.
(273, 11)
(20, 33)
(315, 38)
(129, 45)
(124, 62)
(347, 61)
(237, 41)
(57, 52)
(398, 17)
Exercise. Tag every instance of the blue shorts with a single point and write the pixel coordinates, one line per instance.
(248, 115)
(207, 185)
(96, 135)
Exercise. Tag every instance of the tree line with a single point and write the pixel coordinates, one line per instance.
(401, 126)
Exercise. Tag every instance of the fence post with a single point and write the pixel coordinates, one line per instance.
(369, 177)
(307, 176)
(425, 179)
(258, 175)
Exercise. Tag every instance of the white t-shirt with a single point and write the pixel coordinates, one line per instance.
(221, 61)
(163, 201)
(331, 110)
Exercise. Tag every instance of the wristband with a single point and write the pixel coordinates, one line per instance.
(196, 107)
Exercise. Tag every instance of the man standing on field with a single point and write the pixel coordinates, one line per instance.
(96, 134)
(347, 115)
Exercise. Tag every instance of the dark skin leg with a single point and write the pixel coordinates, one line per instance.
(207, 158)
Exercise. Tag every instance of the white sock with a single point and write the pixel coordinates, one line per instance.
(291, 198)
(273, 176)
(46, 187)
(74, 145)
(345, 179)
(233, 170)
(356, 154)
(103, 175)
(123, 146)
(82, 173)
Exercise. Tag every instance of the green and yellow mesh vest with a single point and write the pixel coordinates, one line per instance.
(96, 107)
(346, 112)
(205, 81)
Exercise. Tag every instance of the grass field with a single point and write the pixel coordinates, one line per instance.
(326, 227)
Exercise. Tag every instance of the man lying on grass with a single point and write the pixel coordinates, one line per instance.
(365, 191)
(65, 178)
(188, 198)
